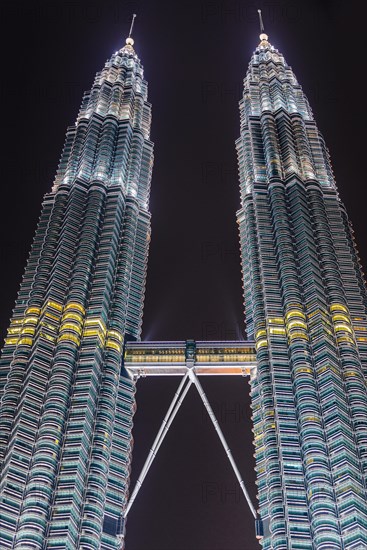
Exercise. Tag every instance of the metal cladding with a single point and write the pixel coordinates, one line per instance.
(66, 408)
(67, 396)
(305, 305)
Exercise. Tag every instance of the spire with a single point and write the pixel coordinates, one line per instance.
(263, 37)
(129, 40)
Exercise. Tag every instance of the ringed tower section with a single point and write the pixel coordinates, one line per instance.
(305, 306)
(66, 405)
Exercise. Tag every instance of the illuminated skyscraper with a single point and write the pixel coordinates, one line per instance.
(305, 305)
(67, 392)
(66, 409)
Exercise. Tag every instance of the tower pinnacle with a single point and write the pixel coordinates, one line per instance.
(263, 36)
(129, 40)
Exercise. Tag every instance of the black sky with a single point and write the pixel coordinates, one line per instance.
(195, 55)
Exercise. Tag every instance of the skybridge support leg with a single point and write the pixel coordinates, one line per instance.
(167, 421)
(195, 380)
(191, 378)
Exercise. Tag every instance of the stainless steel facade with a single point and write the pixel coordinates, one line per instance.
(67, 400)
(305, 302)
(66, 407)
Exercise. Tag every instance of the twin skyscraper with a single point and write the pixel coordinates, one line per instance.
(67, 397)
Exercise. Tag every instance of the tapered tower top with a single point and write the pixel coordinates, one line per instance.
(128, 48)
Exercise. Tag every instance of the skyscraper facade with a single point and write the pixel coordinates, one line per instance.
(305, 305)
(66, 406)
(67, 403)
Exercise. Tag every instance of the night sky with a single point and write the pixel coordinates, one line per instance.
(195, 55)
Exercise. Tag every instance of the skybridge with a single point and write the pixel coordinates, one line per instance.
(190, 359)
(231, 358)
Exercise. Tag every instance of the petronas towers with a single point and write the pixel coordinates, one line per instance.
(67, 400)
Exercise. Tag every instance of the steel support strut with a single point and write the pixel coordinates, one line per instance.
(212, 416)
(188, 379)
(167, 421)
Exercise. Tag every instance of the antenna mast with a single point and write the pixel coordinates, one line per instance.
(262, 30)
(263, 36)
(132, 25)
